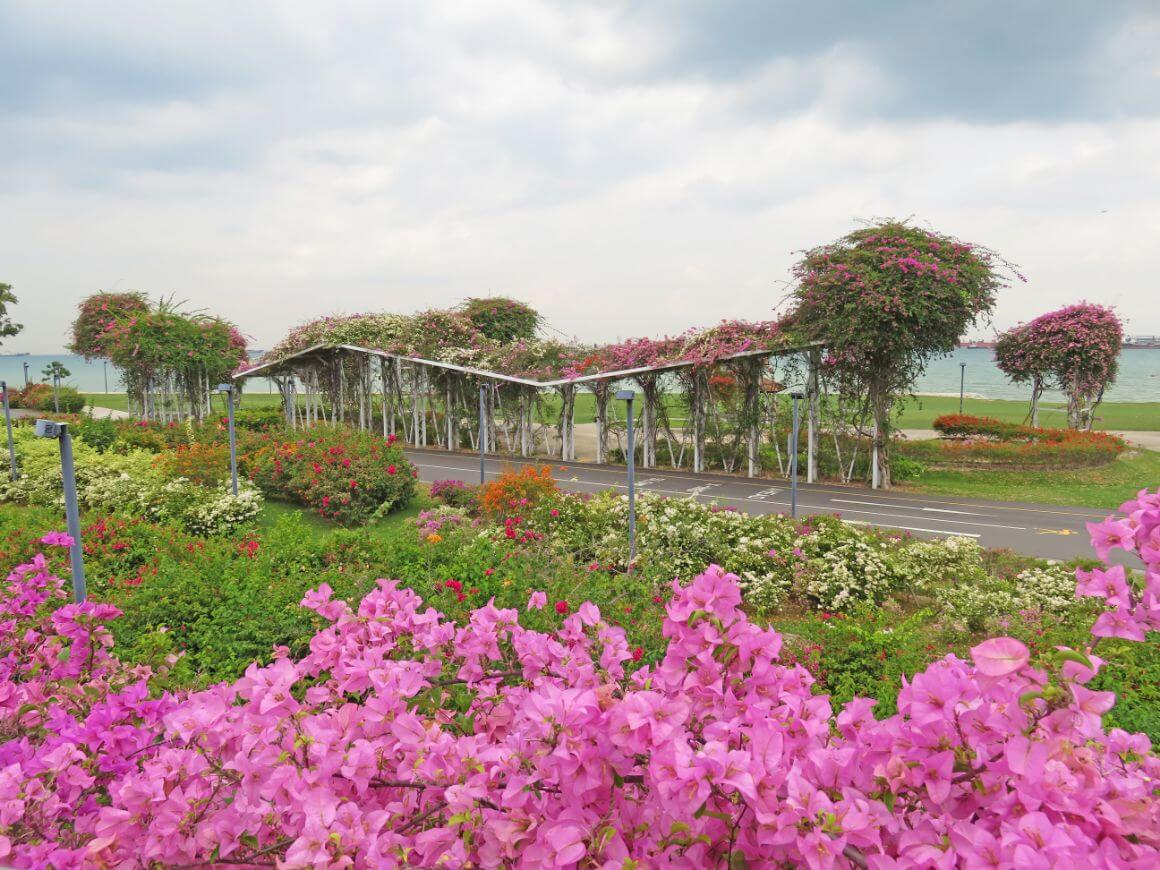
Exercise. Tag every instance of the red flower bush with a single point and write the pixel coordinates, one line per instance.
(405, 739)
(987, 441)
(346, 475)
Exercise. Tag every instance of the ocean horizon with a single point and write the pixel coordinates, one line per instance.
(1138, 380)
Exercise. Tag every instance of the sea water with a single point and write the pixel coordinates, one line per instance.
(1138, 380)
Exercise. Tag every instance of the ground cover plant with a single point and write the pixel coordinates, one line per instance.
(985, 441)
(401, 737)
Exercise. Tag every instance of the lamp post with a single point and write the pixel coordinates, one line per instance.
(8, 423)
(26, 374)
(482, 432)
(228, 390)
(105, 364)
(962, 381)
(793, 455)
(56, 393)
(630, 461)
(59, 431)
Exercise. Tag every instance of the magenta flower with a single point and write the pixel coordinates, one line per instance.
(57, 539)
(1000, 656)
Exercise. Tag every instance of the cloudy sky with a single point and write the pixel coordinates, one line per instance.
(627, 168)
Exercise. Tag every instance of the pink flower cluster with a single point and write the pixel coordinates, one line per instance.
(405, 739)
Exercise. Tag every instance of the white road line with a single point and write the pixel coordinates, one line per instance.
(954, 532)
(908, 507)
(907, 517)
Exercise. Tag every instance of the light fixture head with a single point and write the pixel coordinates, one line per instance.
(626, 395)
(225, 388)
(48, 429)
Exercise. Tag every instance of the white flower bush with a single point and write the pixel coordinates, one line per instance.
(1049, 589)
(128, 484)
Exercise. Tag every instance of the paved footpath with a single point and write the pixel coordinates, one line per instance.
(1049, 531)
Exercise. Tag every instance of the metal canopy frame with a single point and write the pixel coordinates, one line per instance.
(599, 382)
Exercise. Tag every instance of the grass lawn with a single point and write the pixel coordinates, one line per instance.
(321, 529)
(1104, 487)
(919, 413)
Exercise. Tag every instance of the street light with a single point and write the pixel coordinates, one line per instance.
(228, 390)
(59, 431)
(26, 374)
(105, 363)
(630, 460)
(962, 381)
(8, 422)
(793, 454)
(56, 393)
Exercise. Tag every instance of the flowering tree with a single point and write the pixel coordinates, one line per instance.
(885, 300)
(1024, 359)
(1076, 347)
(502, 319)
(403, 738)
(169, 360)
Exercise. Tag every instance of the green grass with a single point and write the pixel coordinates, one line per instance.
(321, 529)
(119, 402)
(917, 413)
(1103, 487)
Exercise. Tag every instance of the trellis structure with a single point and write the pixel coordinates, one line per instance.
(430, 403)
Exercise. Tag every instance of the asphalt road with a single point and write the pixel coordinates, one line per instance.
(1049, 531)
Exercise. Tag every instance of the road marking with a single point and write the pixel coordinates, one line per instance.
(812, 489)
(952, 532)
(906, 507)
(765, 493)
(1057, 531)
(649, 481)
(907, 517)
(697, 490)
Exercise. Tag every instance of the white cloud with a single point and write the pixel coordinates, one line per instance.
(402, 157)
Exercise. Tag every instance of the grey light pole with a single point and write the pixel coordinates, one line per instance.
(962, 381)
(482, 432)
(228, 390)
(630, 461)
(59, 431)
(793, 462)
(105, 363)
(8, 423)
(26, 374)
(56, 393)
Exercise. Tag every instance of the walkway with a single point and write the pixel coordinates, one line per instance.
(1049, 531)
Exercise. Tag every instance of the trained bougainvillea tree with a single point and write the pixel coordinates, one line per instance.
(404, 739)
(1075, 349)
(885, 300)
(169, 360)
(1021, 356)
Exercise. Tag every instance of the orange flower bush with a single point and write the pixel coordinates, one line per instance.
(516, 492)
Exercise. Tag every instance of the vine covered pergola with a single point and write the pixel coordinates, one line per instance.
(419, 377)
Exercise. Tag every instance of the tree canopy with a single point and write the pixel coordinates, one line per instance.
(887, 298)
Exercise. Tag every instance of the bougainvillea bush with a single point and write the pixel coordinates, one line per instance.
(346, 475)
(401, 738)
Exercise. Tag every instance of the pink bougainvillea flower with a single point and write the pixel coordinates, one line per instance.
(57, 539)
(537, 601)
(1109, 534)
(1000, 656)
